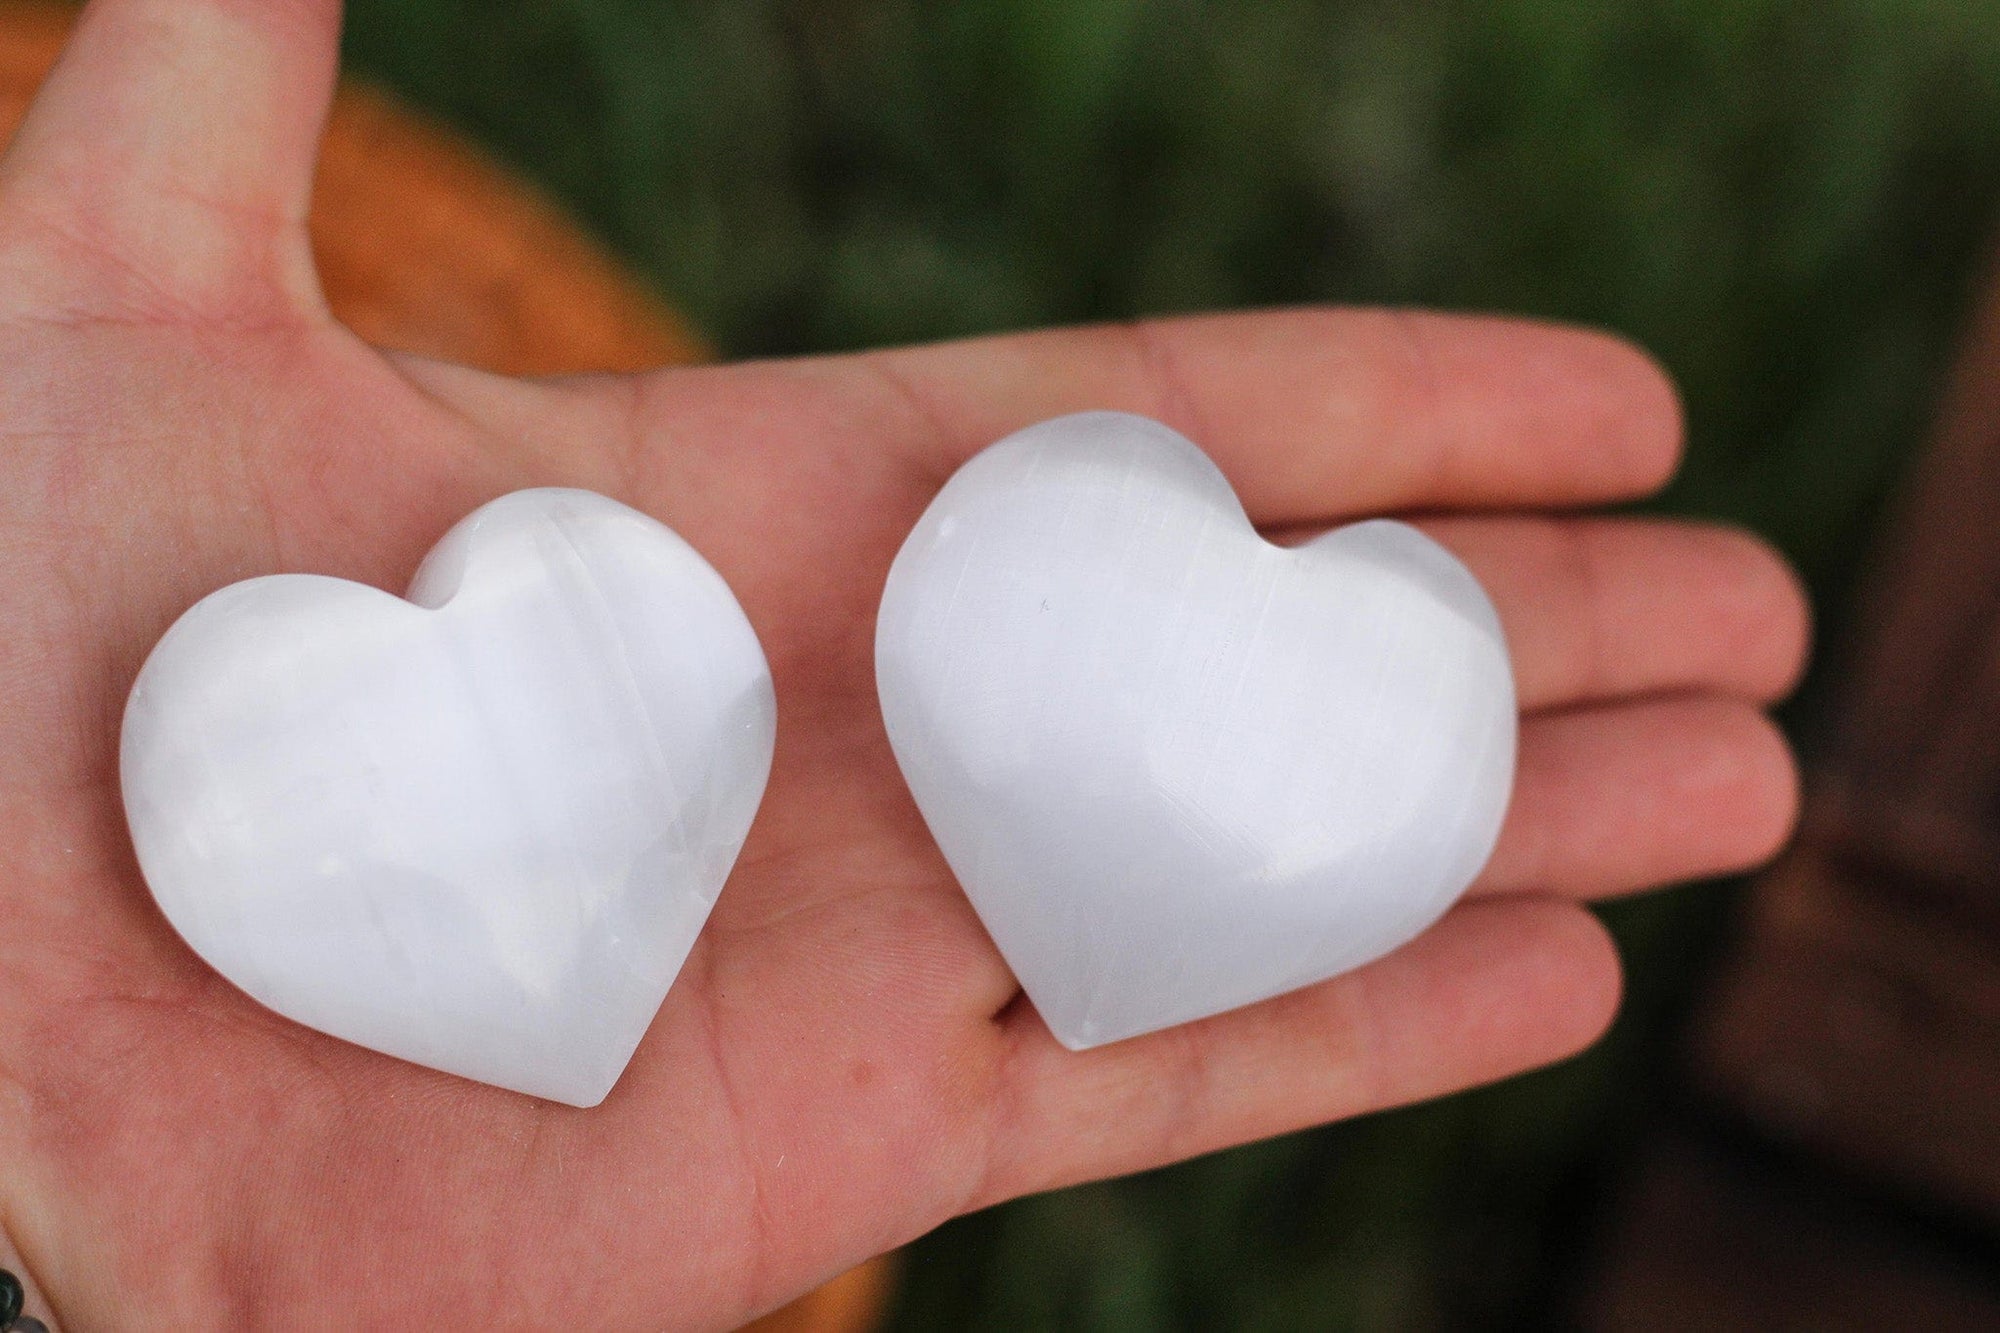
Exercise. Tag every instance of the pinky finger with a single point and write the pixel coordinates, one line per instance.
(1495, 988)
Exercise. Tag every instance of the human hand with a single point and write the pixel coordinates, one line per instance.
(845, 1061)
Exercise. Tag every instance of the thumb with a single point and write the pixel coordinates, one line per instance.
(174, 144)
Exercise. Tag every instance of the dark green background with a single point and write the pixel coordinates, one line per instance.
(1786, 201)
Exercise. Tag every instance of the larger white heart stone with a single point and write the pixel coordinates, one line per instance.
(1176, 768)
(478, 829)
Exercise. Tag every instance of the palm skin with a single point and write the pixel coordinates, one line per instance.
(844, 1061)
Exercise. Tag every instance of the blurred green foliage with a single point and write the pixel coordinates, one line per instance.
(1785, 199)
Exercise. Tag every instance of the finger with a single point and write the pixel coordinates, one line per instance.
(1598, 609)
(1493, 989)
(1614, 799)
(1316, 414)
(177, 138)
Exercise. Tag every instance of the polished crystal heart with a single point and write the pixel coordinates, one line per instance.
(478, 829)
(1177, 768)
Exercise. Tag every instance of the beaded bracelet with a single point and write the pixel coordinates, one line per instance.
(12, 1297)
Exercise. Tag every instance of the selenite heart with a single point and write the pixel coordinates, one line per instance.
(1176, 768)
(478, 829)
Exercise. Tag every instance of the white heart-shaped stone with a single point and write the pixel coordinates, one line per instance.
(1176, 768)
(478, 829)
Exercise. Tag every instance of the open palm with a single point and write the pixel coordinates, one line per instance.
(845, 1060)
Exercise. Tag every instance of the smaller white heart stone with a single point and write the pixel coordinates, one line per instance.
(1179, 769)
(478, 829)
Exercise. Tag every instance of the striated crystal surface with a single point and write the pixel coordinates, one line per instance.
(1176, 768)
(480, 828)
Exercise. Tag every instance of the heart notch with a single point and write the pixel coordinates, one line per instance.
(1176, 768)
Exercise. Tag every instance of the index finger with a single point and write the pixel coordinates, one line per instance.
(1319, 414)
